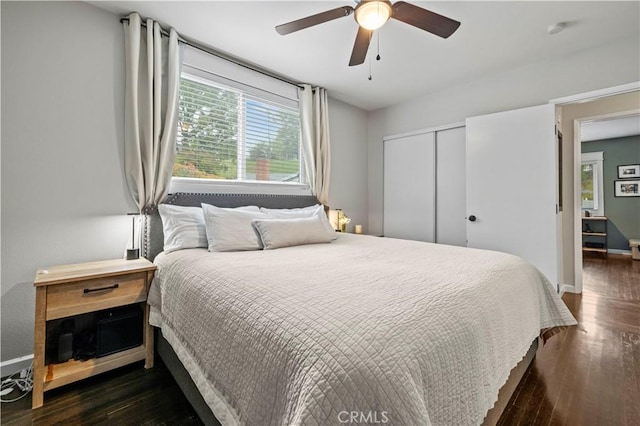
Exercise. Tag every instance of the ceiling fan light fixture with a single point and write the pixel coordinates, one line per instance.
(373, 14)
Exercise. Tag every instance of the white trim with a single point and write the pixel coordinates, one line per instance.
(566, 288)
(421, 131)
(618, 251)
(13, 366)
(589, 157)
(595, 94)
(179, 184)
(577, 207)
(610, 116)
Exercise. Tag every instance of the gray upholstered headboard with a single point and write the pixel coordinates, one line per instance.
(153, 238)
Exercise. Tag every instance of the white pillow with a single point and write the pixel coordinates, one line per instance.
(311, 211)
(184, 227)
(231, 229)
(277, 233)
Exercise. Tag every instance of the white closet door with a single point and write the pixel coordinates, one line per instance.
(409, 187)
(511, 185)
(451, 225)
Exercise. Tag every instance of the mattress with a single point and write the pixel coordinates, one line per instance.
(362, 330)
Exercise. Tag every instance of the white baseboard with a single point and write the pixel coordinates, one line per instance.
(617, 251)
(566, 288)
(13, 366)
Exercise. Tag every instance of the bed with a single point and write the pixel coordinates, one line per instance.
(362, 330)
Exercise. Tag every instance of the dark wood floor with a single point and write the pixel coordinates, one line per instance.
(128, 396)
(588, 375)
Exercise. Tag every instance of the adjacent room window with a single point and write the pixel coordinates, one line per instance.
(592, 183)
(224, 133)
(589, 192)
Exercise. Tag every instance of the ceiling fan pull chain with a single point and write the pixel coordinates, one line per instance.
(370, 37)
(378, 57)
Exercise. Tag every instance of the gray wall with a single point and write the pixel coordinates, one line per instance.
(63, 189)
(623, 213)
(348, 190)
(64, 197)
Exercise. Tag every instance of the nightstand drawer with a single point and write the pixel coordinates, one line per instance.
(84, 296)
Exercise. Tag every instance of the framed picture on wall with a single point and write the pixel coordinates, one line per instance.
(629, 171)
(627, 188)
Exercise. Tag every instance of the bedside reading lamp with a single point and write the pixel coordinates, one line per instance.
(334, 219)
(133, 253)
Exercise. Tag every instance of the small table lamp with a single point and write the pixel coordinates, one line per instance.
(133, 252)
(334, 218)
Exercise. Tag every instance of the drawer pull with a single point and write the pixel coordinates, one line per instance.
(91, 290)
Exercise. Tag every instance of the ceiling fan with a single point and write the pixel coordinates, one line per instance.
(373, 14)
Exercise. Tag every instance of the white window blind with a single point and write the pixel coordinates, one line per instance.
(230, 130)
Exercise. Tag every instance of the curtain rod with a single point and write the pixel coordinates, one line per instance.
(211, 51)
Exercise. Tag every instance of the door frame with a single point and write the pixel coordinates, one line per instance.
(576, 214)
(577, 188)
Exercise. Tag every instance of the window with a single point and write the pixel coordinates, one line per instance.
(238, 130)
(589, 194)
(226, 134)
(592, 182)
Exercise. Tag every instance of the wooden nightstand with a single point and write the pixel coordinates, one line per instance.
(71, 290)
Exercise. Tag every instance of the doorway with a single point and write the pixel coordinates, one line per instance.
(615, 103)
(570, 112)
(610, 149)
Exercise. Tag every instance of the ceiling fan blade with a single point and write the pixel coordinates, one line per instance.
(312, 20)
(424, 19)
(360, 47)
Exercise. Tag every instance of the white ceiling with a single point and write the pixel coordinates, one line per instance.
(493, 36)
(609, 129)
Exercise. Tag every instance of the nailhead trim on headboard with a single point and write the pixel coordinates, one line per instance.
(153, 240)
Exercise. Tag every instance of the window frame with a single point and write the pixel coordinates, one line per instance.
(596, 159)
(249, 90)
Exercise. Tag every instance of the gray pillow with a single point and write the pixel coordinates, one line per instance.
(277, 233)
(317, 210)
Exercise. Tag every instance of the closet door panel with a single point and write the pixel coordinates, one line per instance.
(409, 187)
(451, 225)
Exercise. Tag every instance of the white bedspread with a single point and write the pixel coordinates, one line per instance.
(389, 331)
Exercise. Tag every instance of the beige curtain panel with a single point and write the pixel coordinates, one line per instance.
(314, 118)
(152, 73)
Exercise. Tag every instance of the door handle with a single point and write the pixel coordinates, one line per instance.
(472, 218)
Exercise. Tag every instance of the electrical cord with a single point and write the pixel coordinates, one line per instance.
(24, 383)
